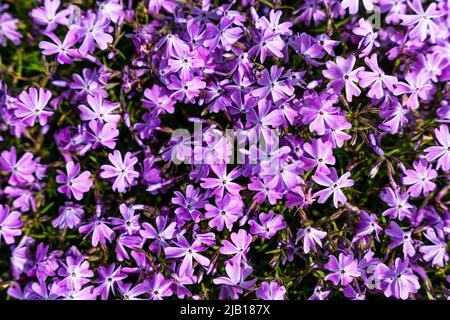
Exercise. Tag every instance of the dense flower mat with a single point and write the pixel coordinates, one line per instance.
(224, 149)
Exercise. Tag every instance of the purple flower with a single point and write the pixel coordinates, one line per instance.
(190, 204)
(343, 270)
(235, 283)
(160, 235)
(8, 29)
(422, 21)
(100, 109)
(76, 272)
(437, 252)
(158, 287)
(158, 100)
(226, 212)
(187, 252)
(420, 178)
(400, 237)
(22, 170)
(92, 30)
(376, 79)
(223, 181)
(353, 5)
(271, 291)
(398, 282)
(342, 75)
(311, 237)
(418, 85)
(442, 151)
(10, 224)
(273, 86)
(238, 246)
(264, 192)
(48, 15)
(122, 170)
(269, 225)
(318, 153)
(100, 231)
(102, 134)
(32, 105)
(73, 183)
(108, 279)
(398, 202)
(367, 225)
(334, 185)
(70, 216)
(186, 90)
(63, 50)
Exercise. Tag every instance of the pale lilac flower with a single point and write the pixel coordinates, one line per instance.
(158, 100)
(311, 236)
(264, 192)
(318, 153)
(102, 134)
(74, 182)
(422, 21)
(76, 272)
(8, 29)
(121, 169)
(353, 5)
(436, 252)
(418, 86)
(160, 235)
(31, 106)
(272, 85)
(442, 151)
(223, 181)
(70, 216)
(48, 15)
(420, 178)
(235, 283)
(158, 287)
(271, 291)
(369, 37)
(367, 225)
(109, 278)
(400, 207)
(92, 30)
(334, 185)
(101, 232)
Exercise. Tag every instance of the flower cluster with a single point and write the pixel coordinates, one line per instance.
(318, 167)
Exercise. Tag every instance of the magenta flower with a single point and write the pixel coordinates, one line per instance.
(268, 226)
(121, 169)
(239, 246)
(334, 185)
(376, 79)
(101, 232)
(224, 34)
(271, 291)
(100, 109)
(442, 151)
(343, 270)
(22, 170)
(158, 100)
(400, 237)
(186, 90)
(398, 282)
(226, 212)
(32, 105)
(436, 252)
(420, 178)
(367, 225)
(223, 181)
(63, 50)
(273, 24)
(187, 252)
(10, 224)
(342, 75)
(422, 21)
(264, 192)
(72, 182)
(398, 202)
(189, 204)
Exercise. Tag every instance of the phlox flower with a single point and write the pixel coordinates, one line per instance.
(74, 182)
(334, 185)
(121, 169)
